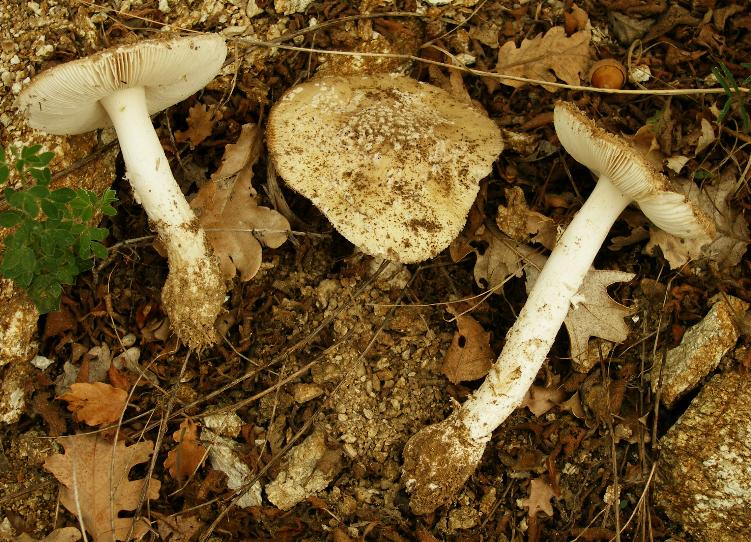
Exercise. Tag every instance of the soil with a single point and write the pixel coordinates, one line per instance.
(326, 339)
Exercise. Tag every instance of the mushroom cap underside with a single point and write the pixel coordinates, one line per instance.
(64, 99)
(394, 164)
(608, 155)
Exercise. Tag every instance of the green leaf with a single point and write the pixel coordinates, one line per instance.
(23, 201)
(99, 250)
(98, 234)
(8, 219)
(39, 191)
(52, 209)
(4, 173)
(41, 176)
(30, 152)
(46, 292)
(62, 195)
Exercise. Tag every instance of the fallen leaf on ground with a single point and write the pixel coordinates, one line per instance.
(228, 210)
(94, 477)
(501, 259)
(540, 494)
(224, 457)
(178, 528)
(95, 403)
(545, 57)
(469, 357)
(201, 121)
(539, 399)
(185, 458)
(522, 224)
(63, 534)
(595, 314)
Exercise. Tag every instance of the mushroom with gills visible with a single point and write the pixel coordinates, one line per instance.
(393, 163)
(439, 458)
(123, 86)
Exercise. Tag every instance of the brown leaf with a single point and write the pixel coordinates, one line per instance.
(469, 357)
(540, 494)
(58, 322)
(227, 208)
(95, 403)
(63, 534)
(185, 458)
(201, 121)
(522, 224)
(545, 57)
(539, 400)
(94, 477)
(502, 258)
(595, 314)
(50, 413)
(178, 528)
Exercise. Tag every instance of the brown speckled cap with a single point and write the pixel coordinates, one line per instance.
(65, 99)
(608, 155)
(394, 164)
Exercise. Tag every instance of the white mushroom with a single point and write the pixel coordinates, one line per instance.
(123, 86)
(394, 164)
(439, 458)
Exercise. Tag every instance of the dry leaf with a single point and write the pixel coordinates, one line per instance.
(539, 399)
(545, 57)
(522, 224)
(595, 314)
(95, 403)
(178, 528)
(540, 494)
(469, 357)
(201, 121)
(63, 534)
(185, 458)
(501, 258)
(94, 477)
(227, 209)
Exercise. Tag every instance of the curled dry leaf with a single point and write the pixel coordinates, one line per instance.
(501, 258)
(201, 121)
(228, 210)
(93, 473)
(539, 399)
(178, 528)
(522, 224)
(469, 357)
(95, 403)
(185, 458)
(545, 57)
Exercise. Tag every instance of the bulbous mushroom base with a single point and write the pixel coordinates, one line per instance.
(437, 461)
(192, 297)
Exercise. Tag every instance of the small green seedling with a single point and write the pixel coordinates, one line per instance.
(734, 94)
(52, 241)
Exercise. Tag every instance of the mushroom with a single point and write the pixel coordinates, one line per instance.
(439, 458)
(123, 86)
(394, 164)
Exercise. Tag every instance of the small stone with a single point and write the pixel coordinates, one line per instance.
(461, 518)
(227, 424)
(302, 393)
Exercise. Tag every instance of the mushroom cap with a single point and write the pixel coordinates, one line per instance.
(65, 99)
(609, 155)
(394, 164)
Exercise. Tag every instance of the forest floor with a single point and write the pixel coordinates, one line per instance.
(327, 347)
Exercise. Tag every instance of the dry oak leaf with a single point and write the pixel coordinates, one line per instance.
(178, 528)
(185, 458)
(95, 403)
(228, 210)
(201, 121)
(63, 534)
(544, 57)
(94, 477)
(522, 224)
(540, 494)
(501, 258)
(469, 357)
(539, 399)
(595, 314)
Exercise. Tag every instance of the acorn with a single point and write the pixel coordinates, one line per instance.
(607, 73)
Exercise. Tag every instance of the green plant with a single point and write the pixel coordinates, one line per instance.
(734, 93)
(53, 240)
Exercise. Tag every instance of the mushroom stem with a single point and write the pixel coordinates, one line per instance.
(439, 459)
(194, 290)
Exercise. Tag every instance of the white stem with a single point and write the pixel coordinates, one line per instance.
(530, 338)
(150, 176)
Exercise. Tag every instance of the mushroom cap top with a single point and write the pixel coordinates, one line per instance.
(65, 99)
(394, 164)
(608, 155)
